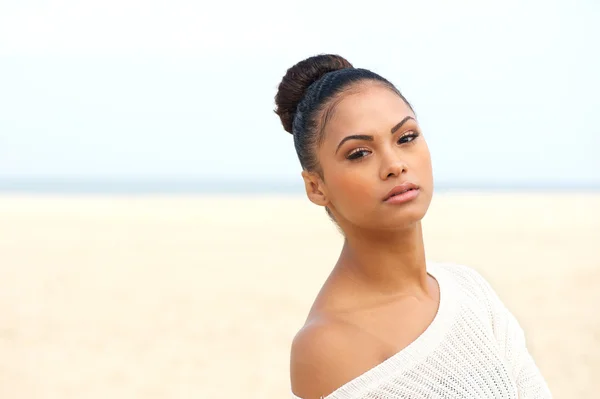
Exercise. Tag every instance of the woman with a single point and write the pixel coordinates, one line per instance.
(387, 323)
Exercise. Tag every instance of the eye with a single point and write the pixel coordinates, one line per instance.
(408, 137)
(357, 154)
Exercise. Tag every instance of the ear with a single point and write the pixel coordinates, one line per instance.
(315, 188)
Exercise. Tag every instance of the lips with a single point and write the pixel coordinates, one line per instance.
(401, 189)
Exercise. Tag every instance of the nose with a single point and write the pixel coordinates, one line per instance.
(392, 166)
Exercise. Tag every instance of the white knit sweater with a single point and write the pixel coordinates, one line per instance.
(473, 349)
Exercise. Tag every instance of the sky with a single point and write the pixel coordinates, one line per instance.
(505, 92)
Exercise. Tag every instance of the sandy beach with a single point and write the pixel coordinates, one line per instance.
(199, 297)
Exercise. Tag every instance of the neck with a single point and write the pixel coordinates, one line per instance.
(388, 262)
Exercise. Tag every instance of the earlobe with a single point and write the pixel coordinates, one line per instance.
(315, 190)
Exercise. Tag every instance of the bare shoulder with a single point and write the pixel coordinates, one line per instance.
(327, 353)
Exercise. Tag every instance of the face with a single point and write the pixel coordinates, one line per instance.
(373, 146)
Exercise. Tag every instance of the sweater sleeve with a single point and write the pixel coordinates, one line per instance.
(512, 343)
(530, 382)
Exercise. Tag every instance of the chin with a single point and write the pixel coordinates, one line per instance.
(400, 219)
(387, 216)
(404, 216)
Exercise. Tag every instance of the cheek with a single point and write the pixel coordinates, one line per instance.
(350, 186)
(422, 165)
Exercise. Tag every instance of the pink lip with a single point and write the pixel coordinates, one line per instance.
(402, 193)
(404, 197)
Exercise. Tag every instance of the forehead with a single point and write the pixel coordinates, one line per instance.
(368, 109)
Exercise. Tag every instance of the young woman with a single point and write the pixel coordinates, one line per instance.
(387, 323)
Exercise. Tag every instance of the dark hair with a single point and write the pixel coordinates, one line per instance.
(303, 96)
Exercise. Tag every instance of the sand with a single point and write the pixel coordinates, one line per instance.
(199, 297)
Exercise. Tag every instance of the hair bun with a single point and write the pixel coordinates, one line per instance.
(298, 78)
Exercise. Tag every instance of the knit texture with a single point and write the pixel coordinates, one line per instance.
(473, 349)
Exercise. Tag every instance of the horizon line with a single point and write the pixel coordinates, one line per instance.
(228, 185)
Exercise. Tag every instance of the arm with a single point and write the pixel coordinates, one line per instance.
(530, 382)
(512, 342)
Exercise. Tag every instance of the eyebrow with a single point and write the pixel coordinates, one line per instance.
(402, 122)
(366, 137)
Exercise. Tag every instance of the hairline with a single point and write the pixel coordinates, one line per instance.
(330, 107)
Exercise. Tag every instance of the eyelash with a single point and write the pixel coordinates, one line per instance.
(412, 136)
